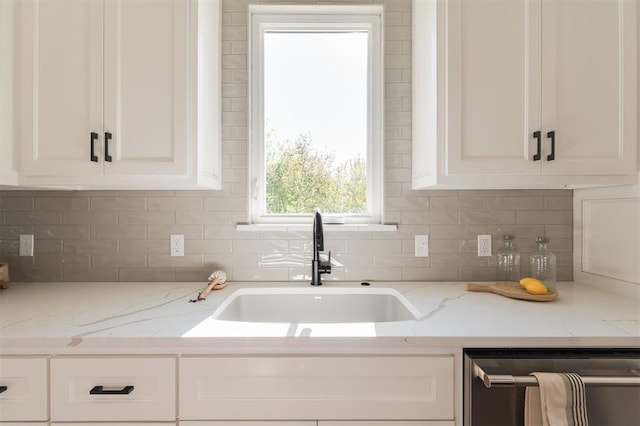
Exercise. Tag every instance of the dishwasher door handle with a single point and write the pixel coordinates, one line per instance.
(500, 380)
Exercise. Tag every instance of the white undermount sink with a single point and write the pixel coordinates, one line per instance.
(316, 305)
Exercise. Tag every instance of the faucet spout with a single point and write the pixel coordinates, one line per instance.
(318, 267)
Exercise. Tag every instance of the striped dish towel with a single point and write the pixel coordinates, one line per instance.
(557, 401)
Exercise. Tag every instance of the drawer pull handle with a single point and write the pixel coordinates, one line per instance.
(3, 388)
(101, 390)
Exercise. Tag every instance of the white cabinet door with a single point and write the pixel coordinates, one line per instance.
(316, 387)
(23, 389)
(61, 96)
(493, 87)
(120, 94)
(8, 131)
(116, 68)
(145, 90)
(504, 78)
(589, 86)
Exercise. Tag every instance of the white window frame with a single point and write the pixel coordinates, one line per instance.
(316, 17)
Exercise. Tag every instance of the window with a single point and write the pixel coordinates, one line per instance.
(316, 113)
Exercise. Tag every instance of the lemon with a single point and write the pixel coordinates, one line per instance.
(535, 287)
(524, 281)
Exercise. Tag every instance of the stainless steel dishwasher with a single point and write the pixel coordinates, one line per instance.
(495, 382)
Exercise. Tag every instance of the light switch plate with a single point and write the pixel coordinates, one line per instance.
(422, 245)
(26, 244)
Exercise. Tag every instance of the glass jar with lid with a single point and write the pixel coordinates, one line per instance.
(542, 263)
(508, 267)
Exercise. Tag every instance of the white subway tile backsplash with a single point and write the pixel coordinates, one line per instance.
(88, 218)
(174, 204)
(146, 217)
(87, 246)
(32, 217)
(62, 203)
(117, 203)
(62, 232)
(118, 232)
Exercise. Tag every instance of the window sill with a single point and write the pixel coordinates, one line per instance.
(354, 227)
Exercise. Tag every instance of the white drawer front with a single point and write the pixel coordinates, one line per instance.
(256, 423)
(387, 423)
(25, 423)
(322, 387)
(112, 424)
(132, 389)
(24, 384)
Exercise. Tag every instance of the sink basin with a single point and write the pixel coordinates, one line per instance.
(316, 305)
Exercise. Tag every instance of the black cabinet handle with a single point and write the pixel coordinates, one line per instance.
(107, 138)
(552, 136)
(101, 390)
(3, 389)
(94, 137)
(538, 135)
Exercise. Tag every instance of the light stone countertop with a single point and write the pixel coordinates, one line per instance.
(86, 318)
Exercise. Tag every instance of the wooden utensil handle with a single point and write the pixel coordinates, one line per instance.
(479, 287)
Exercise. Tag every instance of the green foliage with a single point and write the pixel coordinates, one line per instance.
(300, 178)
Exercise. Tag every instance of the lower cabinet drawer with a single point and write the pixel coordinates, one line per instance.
(387, 423)
(237, 423)
(113, 389)
(108, 424)
(25, 423)
(111, 424)
(23, 386)
(316, 388)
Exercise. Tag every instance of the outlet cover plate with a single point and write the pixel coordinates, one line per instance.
(484, 245)
(177, 245)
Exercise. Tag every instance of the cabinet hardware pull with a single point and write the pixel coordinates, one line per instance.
(538, 135)
(107, 138)
(94, 137)
(552, 135)
(3, 389)
(101, 390)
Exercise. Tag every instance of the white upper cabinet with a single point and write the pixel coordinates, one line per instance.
(112, 94)
(8, 159)
(530, 94)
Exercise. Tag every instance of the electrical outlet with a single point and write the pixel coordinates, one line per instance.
(26, 244)
(422, 245)
(177, 245)
(484, 245)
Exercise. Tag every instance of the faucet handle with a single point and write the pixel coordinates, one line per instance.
(325, 267)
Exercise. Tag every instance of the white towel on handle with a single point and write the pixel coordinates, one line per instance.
(558, 400)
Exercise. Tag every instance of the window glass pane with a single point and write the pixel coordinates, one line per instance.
(315, 118)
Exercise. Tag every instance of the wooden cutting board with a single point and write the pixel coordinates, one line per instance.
(4, 275)
(513, 290)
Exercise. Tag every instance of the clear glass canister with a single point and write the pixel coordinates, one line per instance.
(542, 263)
(508, 267)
